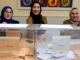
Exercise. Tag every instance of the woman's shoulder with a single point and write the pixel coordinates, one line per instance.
(29, 20)
(67, 21)
(15, 21)
(44, 18)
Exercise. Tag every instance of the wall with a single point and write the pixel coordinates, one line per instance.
(17, 12)
(51, 19)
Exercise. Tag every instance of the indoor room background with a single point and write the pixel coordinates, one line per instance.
(53, 16)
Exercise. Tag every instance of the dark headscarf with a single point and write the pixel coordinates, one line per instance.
(37, 19)
(3, 19)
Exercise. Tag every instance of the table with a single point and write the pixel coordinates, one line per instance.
(16, 50)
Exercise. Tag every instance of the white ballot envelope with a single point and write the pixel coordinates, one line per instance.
(61, 43)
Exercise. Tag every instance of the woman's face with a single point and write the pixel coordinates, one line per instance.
(36, 9)
(8, 14)
(75, 15)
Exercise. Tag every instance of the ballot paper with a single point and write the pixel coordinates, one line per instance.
(41, 48)
(68, 56)
(44, 56)
(61, 43)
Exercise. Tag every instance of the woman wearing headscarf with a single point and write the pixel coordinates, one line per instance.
(74, 17)
(35, 14)
(6, 16)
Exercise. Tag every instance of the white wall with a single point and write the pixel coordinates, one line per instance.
(51, 19)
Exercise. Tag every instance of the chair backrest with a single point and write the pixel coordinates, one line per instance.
(13, 33)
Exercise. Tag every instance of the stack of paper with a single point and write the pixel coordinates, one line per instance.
(57, 56)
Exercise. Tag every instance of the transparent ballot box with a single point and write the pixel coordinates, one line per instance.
(39, 42)
(57, 42)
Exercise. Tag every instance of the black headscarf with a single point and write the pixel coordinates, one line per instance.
(37, 19)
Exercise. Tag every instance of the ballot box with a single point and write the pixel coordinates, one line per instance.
(55, 42)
